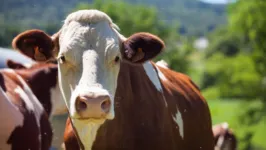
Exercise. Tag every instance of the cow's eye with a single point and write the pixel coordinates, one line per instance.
(117, 59)
(61, 59)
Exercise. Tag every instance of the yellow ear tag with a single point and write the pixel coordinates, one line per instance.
(139, 55)
(140, 50)
(38, 55)
(36, 49)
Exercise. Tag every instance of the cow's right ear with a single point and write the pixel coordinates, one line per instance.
(36, 44)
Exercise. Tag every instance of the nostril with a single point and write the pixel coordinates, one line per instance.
(106, 105)
(80, 105)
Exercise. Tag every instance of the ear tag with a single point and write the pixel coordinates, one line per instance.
(38, 55)
(138, 56)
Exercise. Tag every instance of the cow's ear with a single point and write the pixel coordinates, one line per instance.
(35, 44)
(14, 65)
(141, 47)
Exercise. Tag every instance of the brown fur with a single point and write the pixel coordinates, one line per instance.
(70, 139)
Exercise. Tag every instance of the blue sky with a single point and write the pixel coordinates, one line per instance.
(217, 1)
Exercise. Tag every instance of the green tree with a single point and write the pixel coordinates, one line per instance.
(236, 63)
(247, 18)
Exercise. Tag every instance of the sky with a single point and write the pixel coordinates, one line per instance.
(217, 1)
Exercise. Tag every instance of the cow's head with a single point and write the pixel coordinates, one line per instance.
(89, 49)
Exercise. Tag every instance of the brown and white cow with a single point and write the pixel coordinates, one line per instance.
(117, 97)
(46, 75)
(27, 97)
(225, 138)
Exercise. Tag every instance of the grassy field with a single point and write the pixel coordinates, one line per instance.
(224, 110)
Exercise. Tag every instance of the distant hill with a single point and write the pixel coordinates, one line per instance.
(195, 17)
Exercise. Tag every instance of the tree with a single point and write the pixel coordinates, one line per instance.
(244, 74)
(247, 18)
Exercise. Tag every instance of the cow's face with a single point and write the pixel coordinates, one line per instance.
(90, 50)
(89, 64)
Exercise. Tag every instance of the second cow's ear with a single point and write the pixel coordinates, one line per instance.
(14, 65)
(35, 44)
(141, 47)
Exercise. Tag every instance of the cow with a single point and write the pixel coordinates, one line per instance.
(28, 98)
(116, 96)
(44, 74)
(225, 138)
(59, 115)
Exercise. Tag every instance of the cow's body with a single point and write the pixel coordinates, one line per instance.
(151, 118)
(29, 96)
(225, 138)
(117, 97)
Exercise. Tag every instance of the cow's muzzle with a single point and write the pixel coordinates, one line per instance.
(92, 106)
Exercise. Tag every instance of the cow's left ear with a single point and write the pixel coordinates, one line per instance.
(141, 47)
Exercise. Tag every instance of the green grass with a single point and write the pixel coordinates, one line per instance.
(224, 110)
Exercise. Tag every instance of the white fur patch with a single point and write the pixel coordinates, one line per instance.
(162, 63)
(28, 65)
(87, 132)
(225, 125)
(179, 121)
(152, 74)
(160, 74)
(90, 16)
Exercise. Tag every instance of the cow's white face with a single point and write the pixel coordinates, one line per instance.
(89, 54)
(89, 58)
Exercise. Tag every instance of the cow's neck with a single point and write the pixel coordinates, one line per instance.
(135, 82)
(137, 100)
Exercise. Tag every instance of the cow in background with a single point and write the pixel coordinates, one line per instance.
(225, 138)
(43, 81)
(29, 95)
(55, 108)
